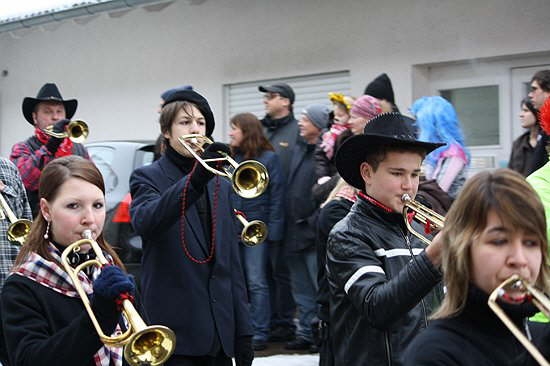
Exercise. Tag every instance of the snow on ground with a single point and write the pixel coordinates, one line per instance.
(287, 360)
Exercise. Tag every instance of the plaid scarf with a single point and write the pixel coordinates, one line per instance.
(329, 138)
(64, 149)
(50, 274)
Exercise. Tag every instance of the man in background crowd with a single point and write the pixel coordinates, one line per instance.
(281, 129)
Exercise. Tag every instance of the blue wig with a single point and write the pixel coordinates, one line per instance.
(437, 121)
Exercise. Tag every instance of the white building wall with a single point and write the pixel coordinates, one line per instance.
(117, 67)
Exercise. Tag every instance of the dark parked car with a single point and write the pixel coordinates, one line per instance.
(117, 160)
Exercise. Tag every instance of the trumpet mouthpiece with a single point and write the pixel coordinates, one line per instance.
(87, 234)
(405, 198)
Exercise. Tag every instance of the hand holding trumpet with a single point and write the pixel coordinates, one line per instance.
(202, 176)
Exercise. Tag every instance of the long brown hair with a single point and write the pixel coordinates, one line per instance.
(518, 206)
(254, 142)
(53, 176)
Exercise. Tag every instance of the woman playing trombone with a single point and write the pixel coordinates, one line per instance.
(495, 229)
(44, 319)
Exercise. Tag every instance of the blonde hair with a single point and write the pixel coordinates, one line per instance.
(518, 206)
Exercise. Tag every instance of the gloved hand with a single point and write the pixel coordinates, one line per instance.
(109, 285)
(244, 354)
(54, 142)
(201, 176)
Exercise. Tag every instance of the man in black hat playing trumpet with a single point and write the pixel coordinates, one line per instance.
(31, 156)
(379, 274)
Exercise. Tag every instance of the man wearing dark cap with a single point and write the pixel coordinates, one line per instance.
(47, 110)
(281, 129)
(379, 274)
(382, 89)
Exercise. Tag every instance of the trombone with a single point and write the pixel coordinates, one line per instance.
(527, 293)
(143, 345)
(254, 232)
(77, 131)
(249, 178)
(19, 228)
(431, 220)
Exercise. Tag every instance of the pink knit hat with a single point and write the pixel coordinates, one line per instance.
(367, 107)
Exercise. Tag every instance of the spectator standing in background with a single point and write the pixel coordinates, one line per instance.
(437, 122)
(302, 223)
(281, 130)
(247, 142)
(523, 148)
(540, 91)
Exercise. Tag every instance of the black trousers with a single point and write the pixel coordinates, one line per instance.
(220, 360)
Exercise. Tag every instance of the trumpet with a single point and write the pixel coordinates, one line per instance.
(77, 131)
(527, 293)
(249, 178)
(254, 232)
(143, 345)
(19, 228)
(431, 220)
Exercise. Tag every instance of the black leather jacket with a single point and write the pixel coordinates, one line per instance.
(379, 278)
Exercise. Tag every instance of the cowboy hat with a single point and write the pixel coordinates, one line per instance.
(384, 129)
(48, 93)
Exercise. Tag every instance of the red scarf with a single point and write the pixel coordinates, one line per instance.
(64, 149)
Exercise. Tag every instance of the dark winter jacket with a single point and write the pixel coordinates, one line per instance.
(201, 302)
(282, 134)
(268, 207)
(44, 327)
(478, 337)
(301, 210)
(522, 154)
(379, 278)
(329, 215)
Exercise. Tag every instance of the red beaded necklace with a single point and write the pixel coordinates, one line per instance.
(213, 215)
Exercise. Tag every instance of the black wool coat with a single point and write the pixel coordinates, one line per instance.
(44, 327)
(197, 301)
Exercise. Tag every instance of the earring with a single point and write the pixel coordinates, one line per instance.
(46, 236)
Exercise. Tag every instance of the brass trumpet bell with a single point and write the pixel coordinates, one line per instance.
(254, 232)
(19, 228)
(249, 178)
(77, 131)
(431, 220)
(143, 345)
(523, 291)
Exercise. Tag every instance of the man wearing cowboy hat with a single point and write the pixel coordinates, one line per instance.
(379, 275)
(31, 156)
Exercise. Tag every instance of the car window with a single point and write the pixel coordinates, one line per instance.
(143, 157)
(103, 157)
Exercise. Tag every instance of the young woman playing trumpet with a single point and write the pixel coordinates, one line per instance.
(495, 229)
(44, 319)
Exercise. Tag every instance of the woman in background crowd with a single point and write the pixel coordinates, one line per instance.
(247, 142)
(523, 148)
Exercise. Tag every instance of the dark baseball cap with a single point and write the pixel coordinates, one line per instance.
(284, 90)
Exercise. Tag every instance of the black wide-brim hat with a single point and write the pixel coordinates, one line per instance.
(48, 93)
(384, 129)
(198, 100)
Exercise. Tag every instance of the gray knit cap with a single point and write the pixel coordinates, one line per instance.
(318, 114)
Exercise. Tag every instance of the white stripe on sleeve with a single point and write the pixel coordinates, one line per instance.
(360, 272)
